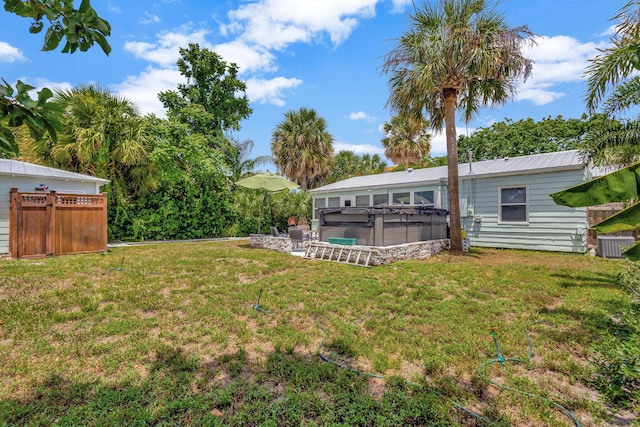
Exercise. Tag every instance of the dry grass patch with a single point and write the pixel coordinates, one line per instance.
(176, 326)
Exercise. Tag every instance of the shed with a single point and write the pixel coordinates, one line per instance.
(504, 203)
(40, 180)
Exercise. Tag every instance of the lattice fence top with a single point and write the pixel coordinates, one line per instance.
(38, 199)
(34, 199)
(79, 200)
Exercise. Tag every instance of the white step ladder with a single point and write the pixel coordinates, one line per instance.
(353, 255)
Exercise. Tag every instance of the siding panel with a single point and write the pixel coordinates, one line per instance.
(550, 227)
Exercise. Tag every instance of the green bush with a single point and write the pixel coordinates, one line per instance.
(618, 355)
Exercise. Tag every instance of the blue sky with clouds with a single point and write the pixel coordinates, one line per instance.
(321, 54)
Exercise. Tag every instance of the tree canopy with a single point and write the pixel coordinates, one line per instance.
(347, 164)
(213, 100)
(456, 55)
(302, 147)
(511, 138)
(407, 140)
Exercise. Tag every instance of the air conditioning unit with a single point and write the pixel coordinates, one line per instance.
(613, 246)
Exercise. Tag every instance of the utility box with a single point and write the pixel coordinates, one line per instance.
(613, 246)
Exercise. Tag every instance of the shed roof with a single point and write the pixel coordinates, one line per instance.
(18, 168)
(537, 163)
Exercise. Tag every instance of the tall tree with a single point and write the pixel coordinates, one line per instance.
(347, 164)
(103, 136)
(457, 54)
(407, 140)
(213, 100)
(302, 147)
(80, 28)
(239, 159)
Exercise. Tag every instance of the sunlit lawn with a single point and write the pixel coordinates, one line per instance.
(169, 334)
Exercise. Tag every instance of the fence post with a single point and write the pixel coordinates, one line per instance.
(13, 222)
(104, 222)
(50, 233)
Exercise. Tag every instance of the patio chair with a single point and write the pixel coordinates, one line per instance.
(297, 238)
(276, 233)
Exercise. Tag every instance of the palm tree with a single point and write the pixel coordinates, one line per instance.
(347, 164)
(407, 140)
(302, 147)
(103, 136)
(613, 143)
(239, 161)
(614, 64)
(457, 54)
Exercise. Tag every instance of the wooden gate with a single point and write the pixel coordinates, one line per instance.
(46, 224)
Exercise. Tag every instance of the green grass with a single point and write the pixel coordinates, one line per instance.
(171, 338)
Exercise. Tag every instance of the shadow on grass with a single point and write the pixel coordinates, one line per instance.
(287, 390)
(590, 279)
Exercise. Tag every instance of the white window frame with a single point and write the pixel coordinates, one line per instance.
(332, 200)
(433, 196)
(525, 204)
(393, 197)
(380, 194)
(368, 196)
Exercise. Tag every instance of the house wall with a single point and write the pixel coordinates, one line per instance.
(28, 184)
(549, 227)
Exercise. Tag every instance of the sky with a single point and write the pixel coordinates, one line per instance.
(320, 54)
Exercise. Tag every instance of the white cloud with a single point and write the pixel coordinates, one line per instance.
(10, 54)
(277, 23)
(557, 60)
(358, 148)
(143, 89)
(270, 91)
(360, 115)
(149, 18)
(399, 5)
(254, 31)
(167, 50)
(54, 86)
(249, 59)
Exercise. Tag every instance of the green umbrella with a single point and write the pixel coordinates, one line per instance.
(268, 182)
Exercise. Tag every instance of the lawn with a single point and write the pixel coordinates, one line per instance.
(174, 334)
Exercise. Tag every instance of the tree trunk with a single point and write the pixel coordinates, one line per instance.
(450, 97)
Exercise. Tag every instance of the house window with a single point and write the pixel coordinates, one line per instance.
(402, 198)
(380, 199)
(513, 204)
(319, 204)
(334, 202)
(347, 203)
(423, 198)
(362, 200)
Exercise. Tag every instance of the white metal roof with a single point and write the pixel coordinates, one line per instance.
(537, 163)
(18, 168)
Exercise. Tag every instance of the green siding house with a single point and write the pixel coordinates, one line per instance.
(504, 203)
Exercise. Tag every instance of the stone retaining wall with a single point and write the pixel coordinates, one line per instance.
(381, 254)
(407, 251)
(267, 241)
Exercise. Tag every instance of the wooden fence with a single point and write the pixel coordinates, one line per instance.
(599, 213)
(46, 224)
